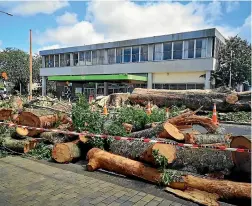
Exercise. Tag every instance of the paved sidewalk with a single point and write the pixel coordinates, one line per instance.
(26, 182)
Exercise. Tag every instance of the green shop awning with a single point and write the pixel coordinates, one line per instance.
(103, 77)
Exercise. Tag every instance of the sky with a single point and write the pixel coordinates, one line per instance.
(56, 24)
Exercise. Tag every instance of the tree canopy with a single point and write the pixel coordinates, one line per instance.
(239, 62)
(15, 63)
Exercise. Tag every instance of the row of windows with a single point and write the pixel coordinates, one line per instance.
(196, 48)
(178, 86)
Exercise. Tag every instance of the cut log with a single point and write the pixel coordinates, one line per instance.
(100, 159)
(117, 99)
(190, 98)
(242, 160)
(192, 138)
(128, 127)
(201, 161)
(163, 130)
(198, 196)
(232, 98)
(22, 146)
(37, 118)
(5, 114)
(22, 131)
(224, 188)
(66, 152)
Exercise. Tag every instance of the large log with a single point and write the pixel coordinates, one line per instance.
(162, 130)
(200, 161)
(242, 160)
(191, 99)
(100, 159)
(37, 118)
(54, 138)
(66, 152)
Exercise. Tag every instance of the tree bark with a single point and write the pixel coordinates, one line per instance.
(53, 137)
(191, 138)
(242, 160)
(100, 159)
(37, 118)
(163, 130)
(117, 99)
(191, 99)
(199, 161)
(66, 152)
(5, 114)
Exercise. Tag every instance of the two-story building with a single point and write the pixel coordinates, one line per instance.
(174, 61)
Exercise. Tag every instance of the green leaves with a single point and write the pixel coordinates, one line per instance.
(41, 151)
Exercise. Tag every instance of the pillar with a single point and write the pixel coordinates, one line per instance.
(71, 59)
(105, 88)
(43, 86)
(43, 61)
(207, 80)
(149, 83)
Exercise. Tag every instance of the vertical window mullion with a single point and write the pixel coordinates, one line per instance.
(172, 53)
(194, 54)
(183, 52)
(122, 54)
(139, 54)
(130, 54)
(162, 51)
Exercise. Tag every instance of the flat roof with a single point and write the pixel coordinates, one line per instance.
(212, 32)
(103, 77)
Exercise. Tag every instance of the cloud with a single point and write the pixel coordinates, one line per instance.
(54, 46)
(245, 29)
(29, 8)
(231, 6)
(67, 18)
(120, 20)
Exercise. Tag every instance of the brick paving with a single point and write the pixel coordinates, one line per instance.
(25, 182)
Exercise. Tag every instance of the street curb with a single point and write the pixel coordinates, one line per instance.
(237, 123)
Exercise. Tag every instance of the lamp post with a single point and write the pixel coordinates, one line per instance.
(230, 72)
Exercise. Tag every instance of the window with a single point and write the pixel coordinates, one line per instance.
(51, 61)
(181, 86)
(189, 49)
(62, 61)
(127, 54)
(158, 52)
(94, 57)
(111, 56)
(100, 56)
(200, 48)
(167, 51)
(119, 55)
(88, 58)
(56, 60)
(67, 59)
(177, 50)
(75, 59)
(144, 53)
(46, 61)
(135, 54)
(82, 58)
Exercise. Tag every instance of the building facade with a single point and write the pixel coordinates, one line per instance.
(175, 61)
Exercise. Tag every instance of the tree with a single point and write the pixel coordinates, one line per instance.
(15, 63)
(239, 62)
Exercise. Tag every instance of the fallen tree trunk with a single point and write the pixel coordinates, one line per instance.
(99, 159)
(191, 138)
(54, 138)
(5, 114)
(199, 161)
(191, 99)
(163, 130)
(66, 152)
(37, 118)
(117, 99)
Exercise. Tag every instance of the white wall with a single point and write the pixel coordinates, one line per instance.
(178, 77)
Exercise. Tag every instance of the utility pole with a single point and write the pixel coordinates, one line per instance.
(30, 82)
(230, 72)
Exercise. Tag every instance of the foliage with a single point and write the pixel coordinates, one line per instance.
(175, 110)
(157, 115)
(97, 142)
(41, 151)
(116, 129)
(86, 120)
(15, 63)
(240, 63)
(236, 116)
(160, 160)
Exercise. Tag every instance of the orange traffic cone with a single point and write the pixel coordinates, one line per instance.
(105, 110)
(214, 117)
(167, 113)
(148, 111)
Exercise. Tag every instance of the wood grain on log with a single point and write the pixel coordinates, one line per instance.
(66, 152)
(191, 138)
(5, 114)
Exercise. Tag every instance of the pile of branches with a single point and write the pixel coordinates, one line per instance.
(201, 175)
